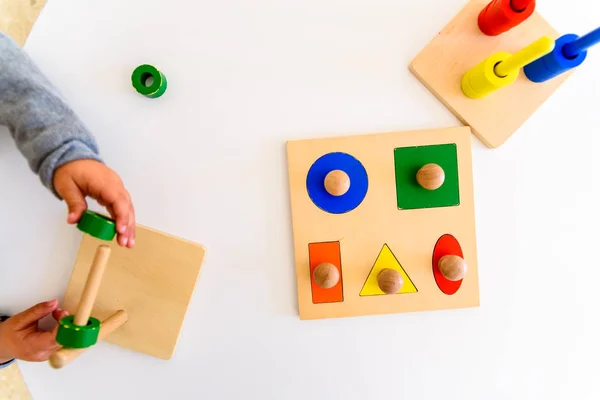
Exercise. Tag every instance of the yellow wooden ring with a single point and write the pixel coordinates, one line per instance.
(481, 80)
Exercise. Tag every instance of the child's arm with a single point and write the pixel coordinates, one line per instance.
(56, 144)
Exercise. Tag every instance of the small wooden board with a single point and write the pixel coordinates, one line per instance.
(459, 47)
(363, 232)
(153, 282)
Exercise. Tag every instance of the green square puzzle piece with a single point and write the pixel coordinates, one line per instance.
(408, 161)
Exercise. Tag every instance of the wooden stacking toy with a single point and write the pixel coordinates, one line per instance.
(570, 51)
(500, 16)
(502, 69)
(80, 331)
(472, 65)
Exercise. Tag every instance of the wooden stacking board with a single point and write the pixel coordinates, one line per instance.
(362, 233)
(153, 282)
(459, 47)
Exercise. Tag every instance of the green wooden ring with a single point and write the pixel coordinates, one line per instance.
(77, 337)
(140, 76)
(97, 225)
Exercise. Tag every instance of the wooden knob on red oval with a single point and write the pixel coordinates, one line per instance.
(337, 182)
(454, 268)
(326, 275)
(431, 176)
(390, 281)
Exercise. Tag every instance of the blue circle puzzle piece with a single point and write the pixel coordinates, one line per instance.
(315, 183)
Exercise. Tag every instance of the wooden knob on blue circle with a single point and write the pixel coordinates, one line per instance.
(431, 176)
(337, 183)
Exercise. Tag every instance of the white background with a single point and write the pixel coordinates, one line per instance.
(207, 162)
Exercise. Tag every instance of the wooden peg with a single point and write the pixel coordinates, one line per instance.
(390, 281)
(326, 275)
(337, 182)
(90, 290)
(431, 176)
(64, 356)
(452, 267)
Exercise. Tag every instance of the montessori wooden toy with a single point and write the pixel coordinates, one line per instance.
(390, 281)
(326, 275)
(500, 16)
(431, 176)
(81, 330)
(452, 267)
(569, 52)
(337, 183)
(502, 69)
(399, 238)
(152, 282)
(64, 356)
(461, 59)
(149, 81)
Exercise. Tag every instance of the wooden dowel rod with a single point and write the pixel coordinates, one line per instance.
(90, 290)
(63, 356)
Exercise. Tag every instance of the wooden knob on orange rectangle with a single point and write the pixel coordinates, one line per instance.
(337, 182)
(390, 281)
(326, 275)
(431, 176)
(453, 268)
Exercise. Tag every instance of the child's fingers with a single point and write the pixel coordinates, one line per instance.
(33, 314)
(59, 314)
(120, 236)
(42, 345)
(75, 199)
(131, 228)
(123, 214)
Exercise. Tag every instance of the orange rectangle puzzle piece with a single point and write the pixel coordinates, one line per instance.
(326, 252)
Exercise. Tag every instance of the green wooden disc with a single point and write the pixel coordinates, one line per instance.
(140, 77)
(97, 225)
(77, 337)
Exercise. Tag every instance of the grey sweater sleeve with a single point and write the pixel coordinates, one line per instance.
(46, 130)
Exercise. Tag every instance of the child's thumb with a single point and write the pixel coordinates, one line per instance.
(34, 314)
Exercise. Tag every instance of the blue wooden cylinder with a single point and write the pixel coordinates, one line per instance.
(554, 63)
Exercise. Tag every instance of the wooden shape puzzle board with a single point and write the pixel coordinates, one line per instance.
(153, 282)
(459, 47)
(362, 232)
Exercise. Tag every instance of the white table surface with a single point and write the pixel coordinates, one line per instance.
(207, 162)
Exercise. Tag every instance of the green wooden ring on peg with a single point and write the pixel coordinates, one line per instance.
(97, 225)
(77, 337)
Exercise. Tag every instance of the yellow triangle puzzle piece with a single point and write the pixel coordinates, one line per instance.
(386, 259)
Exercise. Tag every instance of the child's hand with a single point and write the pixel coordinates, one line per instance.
(20, 337)
(78, 179)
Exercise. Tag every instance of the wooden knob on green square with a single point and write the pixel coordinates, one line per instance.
(431, 176)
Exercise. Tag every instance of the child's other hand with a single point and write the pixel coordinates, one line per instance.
(78, 179)
(21, 338)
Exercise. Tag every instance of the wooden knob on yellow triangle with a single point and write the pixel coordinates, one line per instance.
(453, 268)
(337, 182)
(431, 176)
(326, 275)
(390, 281)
